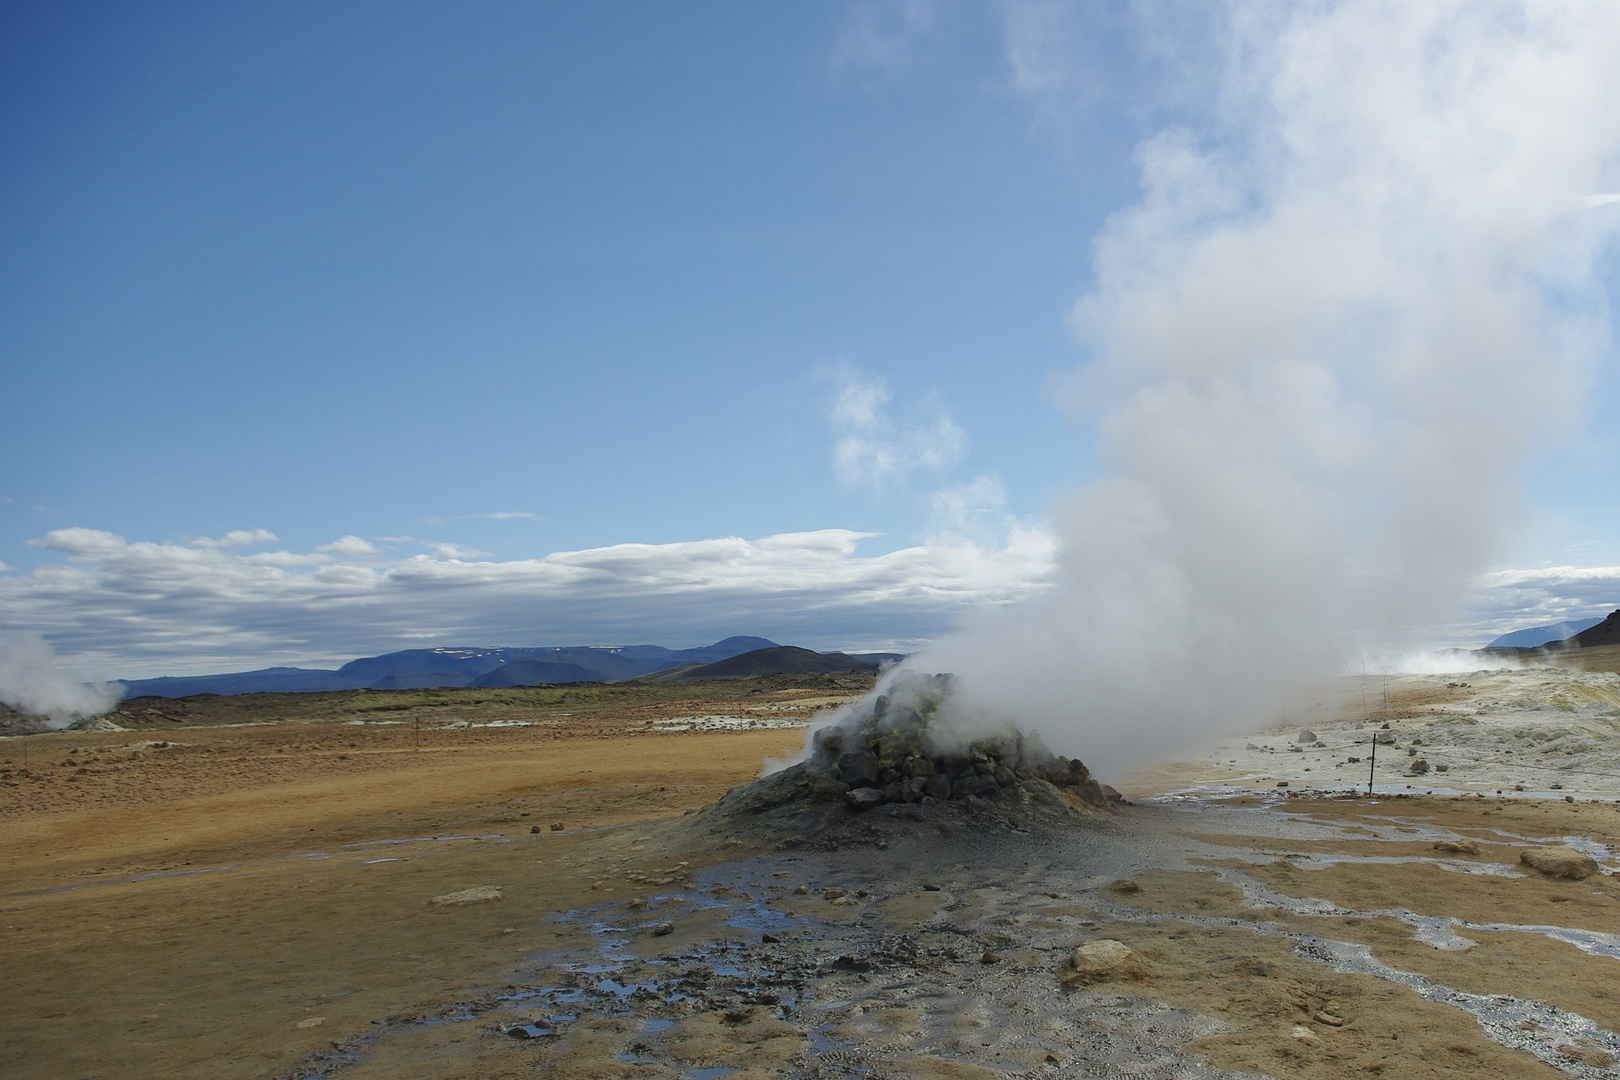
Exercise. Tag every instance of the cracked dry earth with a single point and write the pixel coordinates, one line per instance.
(1321, 939)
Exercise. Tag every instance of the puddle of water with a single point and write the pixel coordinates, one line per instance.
(522, 995)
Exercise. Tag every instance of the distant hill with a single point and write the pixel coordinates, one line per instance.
(533, 670)
(417, 668)
(264, 681)
(775, 660)
(878, 658)
(1606, 632)
(1535, 636)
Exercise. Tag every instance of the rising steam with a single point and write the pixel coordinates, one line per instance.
(1319, 349)
(33, 683)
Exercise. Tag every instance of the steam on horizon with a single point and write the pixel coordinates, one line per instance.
(33, 682)
(1321, 344)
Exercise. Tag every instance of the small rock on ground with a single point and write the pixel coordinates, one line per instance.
(1560, 861)
(1097, 960)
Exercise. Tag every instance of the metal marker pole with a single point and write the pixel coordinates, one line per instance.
(1374, 762)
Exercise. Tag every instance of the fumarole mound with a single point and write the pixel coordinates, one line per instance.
(905, 753)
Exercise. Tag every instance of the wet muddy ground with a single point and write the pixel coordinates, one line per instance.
(291, 931)
(936, 952)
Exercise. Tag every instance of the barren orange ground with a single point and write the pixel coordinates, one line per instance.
(221, 970)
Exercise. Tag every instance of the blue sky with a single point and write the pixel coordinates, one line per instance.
(335, 269)
(478, 284)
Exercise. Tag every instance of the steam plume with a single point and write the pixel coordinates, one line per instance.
(32, 682)
(1320, 345)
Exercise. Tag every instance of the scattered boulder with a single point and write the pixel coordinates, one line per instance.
(1559, 861)
(1418, 767)
(1457, 847)
(1098, 960)
(1124, 886)
(480, 894)
(863, 798)
(663, 929)
(1306, 735)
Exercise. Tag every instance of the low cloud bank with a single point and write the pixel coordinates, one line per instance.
(134, 609)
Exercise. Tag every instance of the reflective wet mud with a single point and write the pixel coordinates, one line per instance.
(938, 953)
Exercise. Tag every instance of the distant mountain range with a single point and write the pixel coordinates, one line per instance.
(1541, 635)
(497, 667)
(1582, 634)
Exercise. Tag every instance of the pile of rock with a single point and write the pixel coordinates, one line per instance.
(898, 748)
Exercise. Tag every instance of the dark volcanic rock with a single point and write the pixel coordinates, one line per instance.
(906, 754)
(863, 798)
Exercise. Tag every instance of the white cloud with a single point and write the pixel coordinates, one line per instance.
(1592, 201)
(1040, 46)
(965, 509)
(349, 547)
(132, 609)
(457, 551)
(974, 515)
(870, 448)
(882, 35)
(511, 515)
(237, 538)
